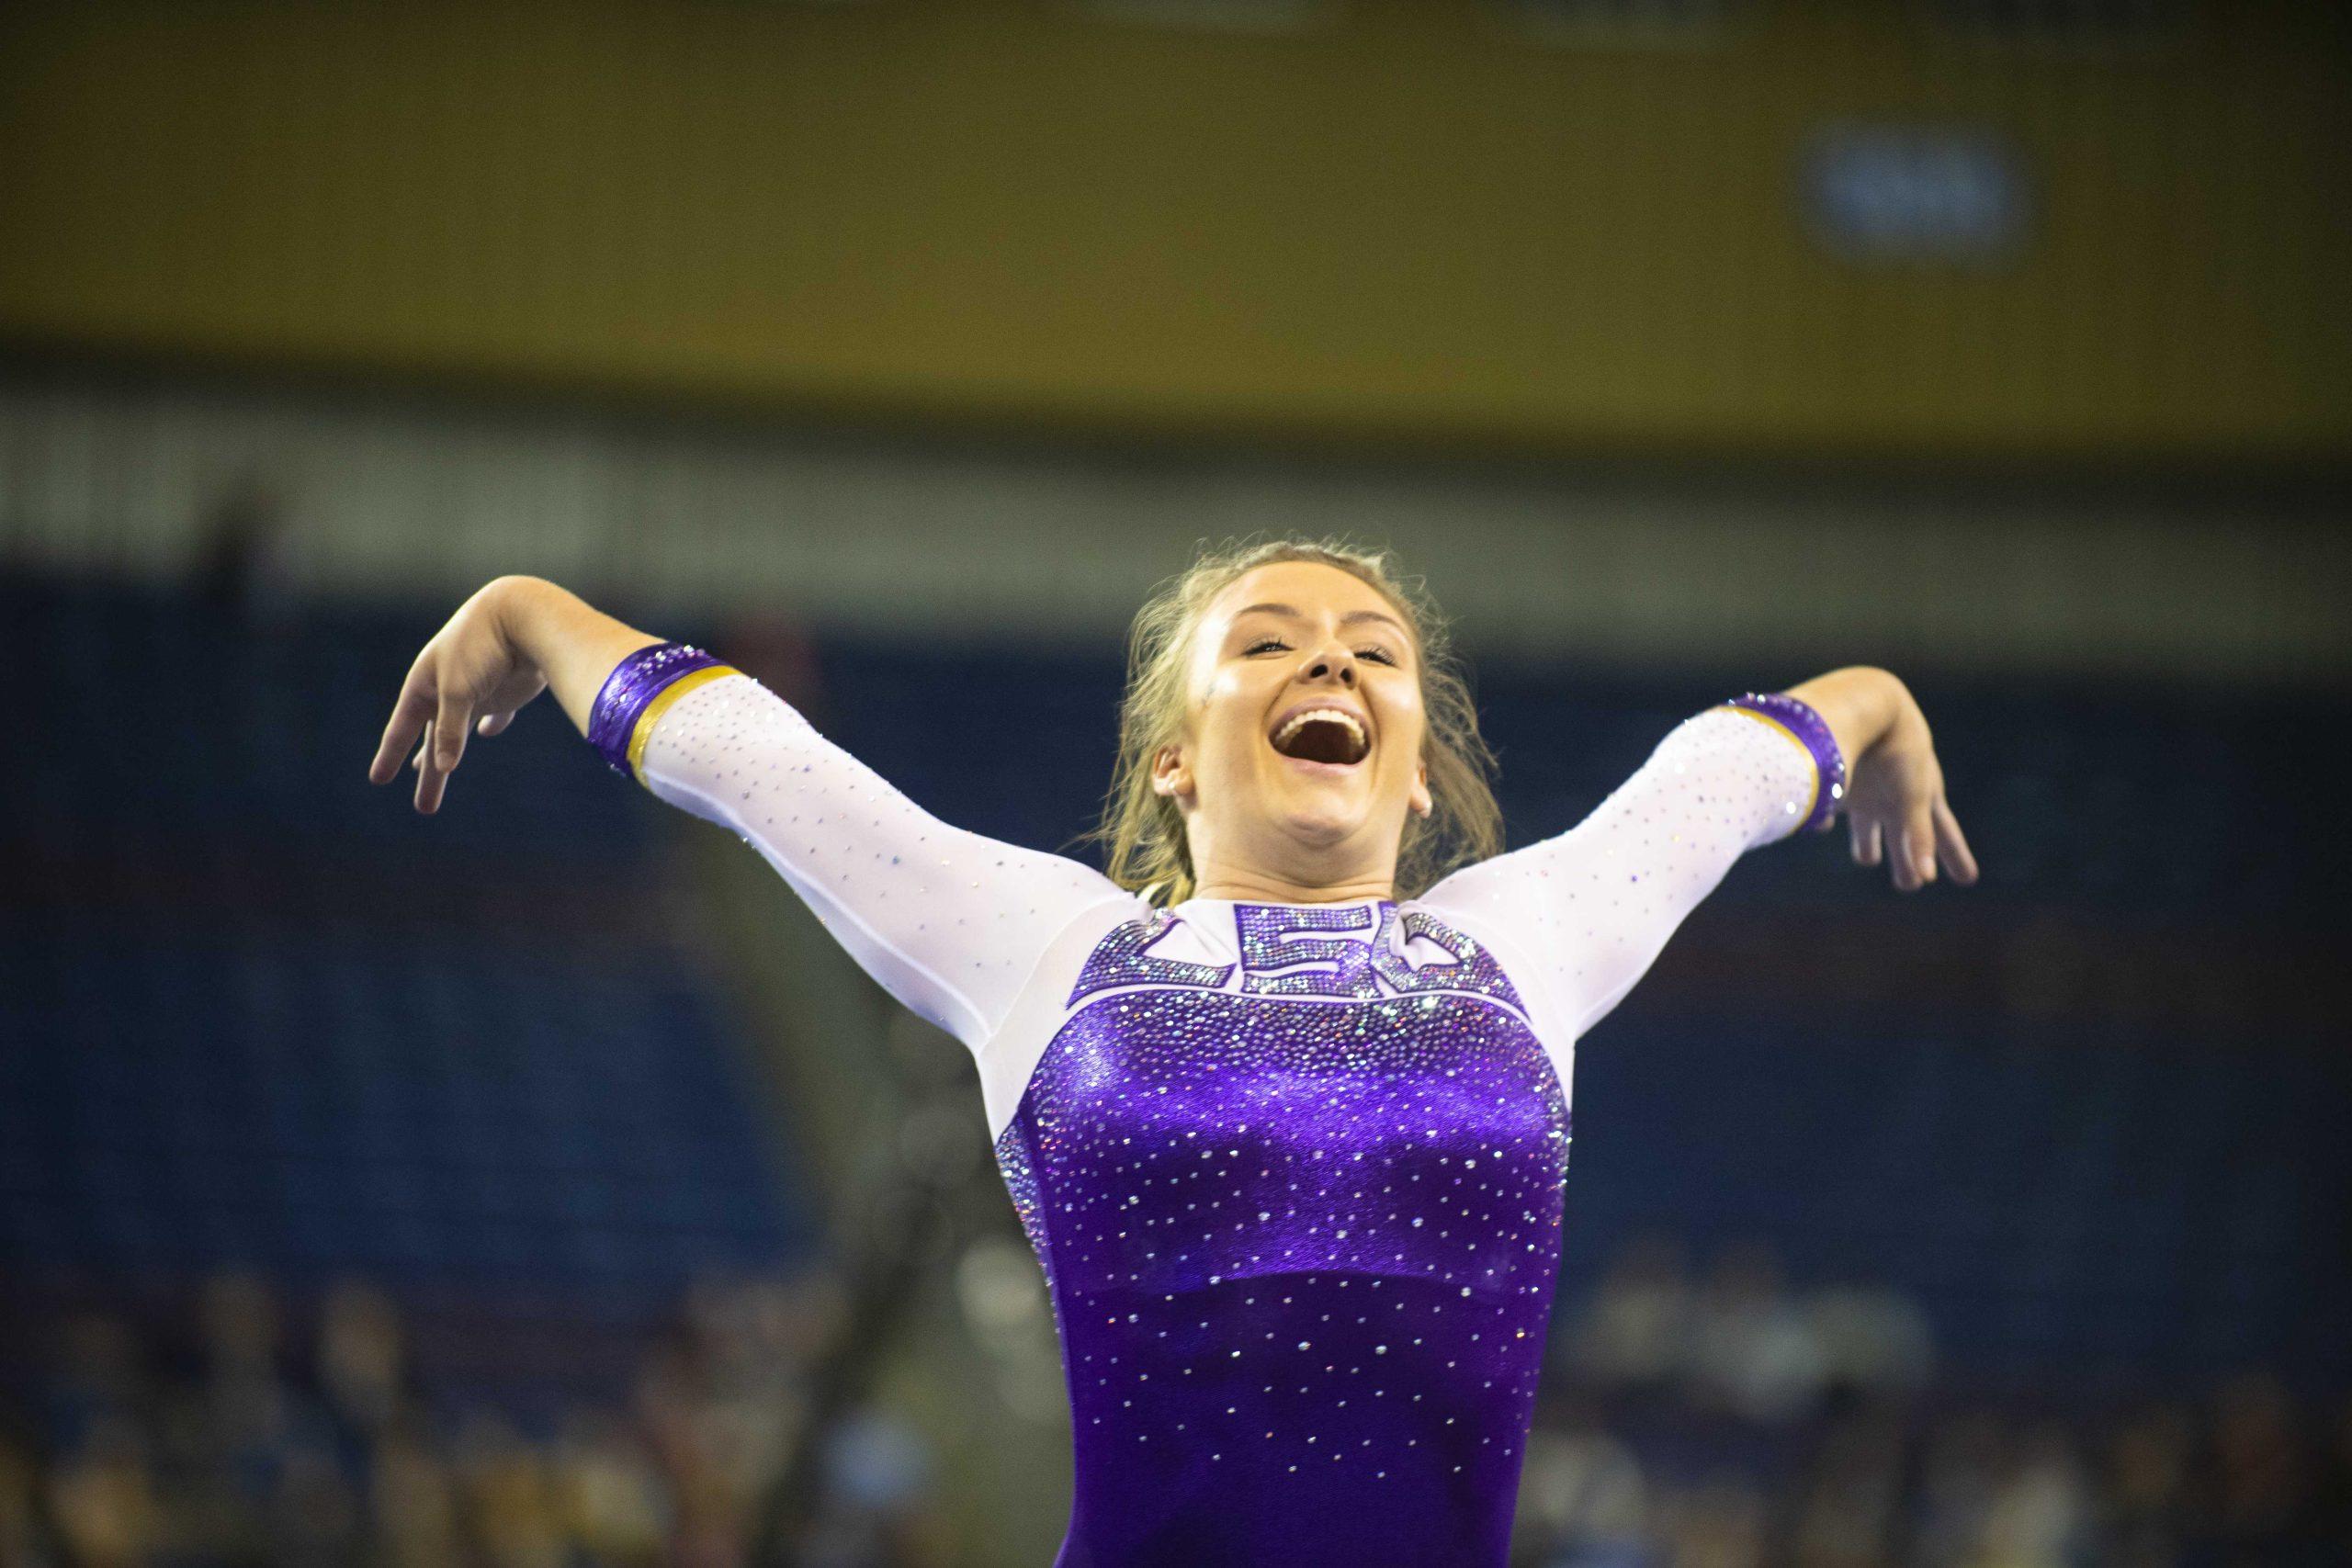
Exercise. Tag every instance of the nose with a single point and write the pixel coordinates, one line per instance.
(1326, 664)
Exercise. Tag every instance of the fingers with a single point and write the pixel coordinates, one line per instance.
(1925, 841)
(1910, 863)
(430, 775)
(1919, 860)
(449, 731)
(494, 723)
(410, 714)
(1956, 852)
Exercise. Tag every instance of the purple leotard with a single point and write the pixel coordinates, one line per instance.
(1301, 1214)
(1294, 1171)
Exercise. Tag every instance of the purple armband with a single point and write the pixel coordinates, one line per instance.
(616, 723)
(1809, 730)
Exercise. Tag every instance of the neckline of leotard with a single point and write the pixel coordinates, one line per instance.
(1373, 899)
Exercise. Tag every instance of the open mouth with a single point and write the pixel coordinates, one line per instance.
(1323, 735)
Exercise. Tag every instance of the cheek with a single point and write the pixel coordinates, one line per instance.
(1223, 717)
(1408, 722)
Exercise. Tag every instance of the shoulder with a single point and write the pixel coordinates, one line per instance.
(1119, 921)
(1457, 943)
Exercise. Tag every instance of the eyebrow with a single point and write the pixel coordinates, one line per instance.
(1351, 616)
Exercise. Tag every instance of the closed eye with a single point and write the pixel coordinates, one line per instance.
(1273, 645)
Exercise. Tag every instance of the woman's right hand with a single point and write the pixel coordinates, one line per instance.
(473, 674)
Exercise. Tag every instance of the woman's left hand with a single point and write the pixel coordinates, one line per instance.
(1894, 801)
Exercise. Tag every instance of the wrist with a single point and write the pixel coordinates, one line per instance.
(520, 608)
(1905, 722)
(1864, 703)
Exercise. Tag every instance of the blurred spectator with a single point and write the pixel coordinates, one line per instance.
(1636, 1335)
(1719, 1523)
(412, 1498)
(360, 1358)
(249, 1410)
(314, 1516)
(2147, 1467)
(1754, 1349)
(2259, 1503)
(1965, 1459)
(240, 1453)
(1583, 1503)
(608, 1494)
(1848, 1513)
(708, 1519)
(1746, 1345)
(98, 1374)
(222, 1429)
(2038, 1516)
(751, 1365)
(509, 1506)
(20, 1534)
(1678, 1434)
(103, 1497)
(1871, 1340)
(244, 566)
(878, 1474)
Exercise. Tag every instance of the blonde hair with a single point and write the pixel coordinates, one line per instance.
(1148, 852)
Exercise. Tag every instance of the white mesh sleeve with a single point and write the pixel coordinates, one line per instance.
(947, 921)
(1592, 907)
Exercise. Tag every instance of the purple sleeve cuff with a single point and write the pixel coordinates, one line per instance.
(635, 681)
(1799, 718)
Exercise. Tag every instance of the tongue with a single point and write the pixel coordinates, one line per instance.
(1321, 741)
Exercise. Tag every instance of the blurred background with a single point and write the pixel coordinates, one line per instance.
(534, 1185)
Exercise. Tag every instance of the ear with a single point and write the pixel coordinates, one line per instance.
(1170, 776)
(1421, 801)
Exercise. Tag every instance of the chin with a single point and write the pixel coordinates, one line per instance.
(1322, 831)
(1325, 821)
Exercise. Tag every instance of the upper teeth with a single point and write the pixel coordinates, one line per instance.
(1333, 715)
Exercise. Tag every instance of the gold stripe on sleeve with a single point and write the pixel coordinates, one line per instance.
(1812, 764)
(659, 705)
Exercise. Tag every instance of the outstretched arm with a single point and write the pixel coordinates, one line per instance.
(949, 921)
(1590, 910)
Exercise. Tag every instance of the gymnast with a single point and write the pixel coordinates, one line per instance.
(1282, 1100)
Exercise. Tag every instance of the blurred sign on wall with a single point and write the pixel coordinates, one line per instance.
(1888, 193)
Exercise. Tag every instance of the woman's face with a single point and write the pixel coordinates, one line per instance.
(1301, 751)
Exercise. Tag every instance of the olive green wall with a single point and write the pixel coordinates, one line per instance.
(1416, 222)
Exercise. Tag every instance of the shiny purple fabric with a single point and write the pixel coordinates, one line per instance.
(636, 680)
(1805, 721)
(1302, 1234)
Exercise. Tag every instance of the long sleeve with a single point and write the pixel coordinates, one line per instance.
(1591, 908)
(947, 921)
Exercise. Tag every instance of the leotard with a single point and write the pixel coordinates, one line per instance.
(1294, 1171)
